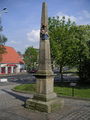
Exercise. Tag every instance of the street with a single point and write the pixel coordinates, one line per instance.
(19, 78)
(29, 78)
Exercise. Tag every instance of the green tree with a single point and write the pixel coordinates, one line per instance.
(3, 39)
(61, 39)
(82, 35)
(68, 42)
(84, 72)
(84, 53)
(30, 58)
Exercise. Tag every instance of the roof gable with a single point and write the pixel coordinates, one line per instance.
(11, 56)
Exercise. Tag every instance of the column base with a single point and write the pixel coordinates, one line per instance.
(45, 97)
(42, 106)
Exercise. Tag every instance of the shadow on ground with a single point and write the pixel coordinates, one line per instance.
(20, 97)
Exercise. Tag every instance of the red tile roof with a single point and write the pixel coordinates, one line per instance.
(11, 56)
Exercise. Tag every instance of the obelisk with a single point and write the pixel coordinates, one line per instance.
(45, 99)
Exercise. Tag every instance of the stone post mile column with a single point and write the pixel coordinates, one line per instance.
(45, 99)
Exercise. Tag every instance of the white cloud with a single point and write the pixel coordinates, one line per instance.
(86, 13)
(61, 14)
(13, 42)
(27, 46)
(33, 45)
(34, 35)
(81, 18)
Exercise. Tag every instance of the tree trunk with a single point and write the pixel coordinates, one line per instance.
(61, 72)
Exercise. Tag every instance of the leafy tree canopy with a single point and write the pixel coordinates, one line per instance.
(3, 39)
(69, 42)
(30, 57)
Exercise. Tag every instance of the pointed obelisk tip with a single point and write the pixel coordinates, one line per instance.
(44, 22)
(44, 5)
(44, 18)
(44, 2)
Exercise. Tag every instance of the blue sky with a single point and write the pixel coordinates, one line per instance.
(22, 22)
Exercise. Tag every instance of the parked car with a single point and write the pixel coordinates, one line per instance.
(32, 71)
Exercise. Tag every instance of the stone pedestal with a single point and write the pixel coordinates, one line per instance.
(45, 100)
(50, 106)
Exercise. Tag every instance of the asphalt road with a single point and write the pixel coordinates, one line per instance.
(22, 78)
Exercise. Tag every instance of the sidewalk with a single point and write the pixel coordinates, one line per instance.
(12, 108)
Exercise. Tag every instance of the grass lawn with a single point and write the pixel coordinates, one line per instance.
(28, 88)
(78, 93)
(61, 91)
(74, 69)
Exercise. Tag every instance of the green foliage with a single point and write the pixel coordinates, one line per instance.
(69, 42)
(83, 36)
(61, 38)
(84, 71)
(30, 58)
(3, 39)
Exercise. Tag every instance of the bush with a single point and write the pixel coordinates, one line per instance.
(84, 71)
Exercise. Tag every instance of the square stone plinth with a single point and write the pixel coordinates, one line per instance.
(42, 106)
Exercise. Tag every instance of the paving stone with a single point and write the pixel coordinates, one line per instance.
(12, 107)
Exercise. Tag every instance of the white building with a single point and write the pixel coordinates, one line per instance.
(11, 62)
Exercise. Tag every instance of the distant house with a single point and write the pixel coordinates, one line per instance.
(11, 62)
